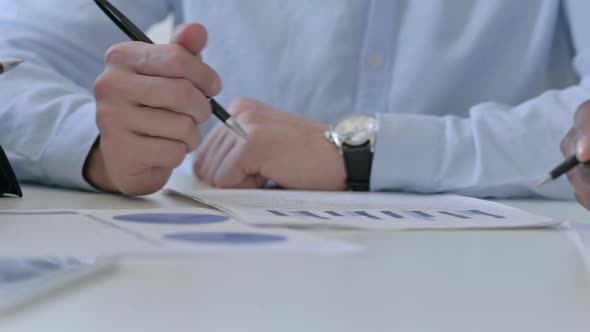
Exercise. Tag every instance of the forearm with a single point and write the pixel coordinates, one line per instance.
(499, 151)
(47, 129)
(47, 108)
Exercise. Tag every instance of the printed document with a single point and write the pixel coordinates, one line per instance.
(358, 210)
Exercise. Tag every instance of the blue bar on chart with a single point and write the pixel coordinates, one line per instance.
(456, 215)
(393, 215)
(334, 213)
(310, 214)
(421, 215)
(278, 213)
(482, 213)
(367, 215)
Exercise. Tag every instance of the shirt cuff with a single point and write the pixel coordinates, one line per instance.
(63, 161)
(407, 153)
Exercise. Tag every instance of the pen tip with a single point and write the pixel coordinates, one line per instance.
(242, 133)
(544, 181)
(235, 126)
(12, 64)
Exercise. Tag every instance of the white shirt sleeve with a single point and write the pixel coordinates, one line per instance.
(47, 107)
(498, 151)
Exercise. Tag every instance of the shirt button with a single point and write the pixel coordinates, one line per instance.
(376, 61)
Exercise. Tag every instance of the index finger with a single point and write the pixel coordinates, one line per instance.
(172, 61)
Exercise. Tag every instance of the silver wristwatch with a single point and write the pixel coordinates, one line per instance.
(355, 136)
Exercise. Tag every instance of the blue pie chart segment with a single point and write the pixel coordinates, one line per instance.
(226, 238)
(173, 218)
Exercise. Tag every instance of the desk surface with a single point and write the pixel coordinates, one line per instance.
(521, 280)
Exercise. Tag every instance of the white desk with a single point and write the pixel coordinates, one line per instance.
(527, 280)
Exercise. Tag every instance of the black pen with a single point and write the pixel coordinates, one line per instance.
(137, 35)
(566, 166)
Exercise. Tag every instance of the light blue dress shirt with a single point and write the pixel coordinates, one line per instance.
(473, 96)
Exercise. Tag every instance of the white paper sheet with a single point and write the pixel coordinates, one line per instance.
(158, 231)
(375, 211)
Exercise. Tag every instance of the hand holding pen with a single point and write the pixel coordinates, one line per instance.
(136, 34)
(575, 147)
(149, 101)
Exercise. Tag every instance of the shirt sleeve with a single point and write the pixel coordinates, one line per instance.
(47, 107)
(498, 151)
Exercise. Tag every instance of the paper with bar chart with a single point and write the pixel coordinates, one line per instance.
(377, 211)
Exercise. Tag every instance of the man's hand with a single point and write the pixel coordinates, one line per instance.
(577, 141)
(150, 99)
(282, 147)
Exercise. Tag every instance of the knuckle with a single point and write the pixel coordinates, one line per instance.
(110, 83)
(103, 85)
(178, 60)
(117, 54)
(189, 127)
(105, 117)
(186, 128)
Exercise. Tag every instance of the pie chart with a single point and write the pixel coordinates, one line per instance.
(226, 238)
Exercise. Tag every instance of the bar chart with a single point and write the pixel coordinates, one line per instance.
(390, 215)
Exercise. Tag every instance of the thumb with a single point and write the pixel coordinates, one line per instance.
(192, 37)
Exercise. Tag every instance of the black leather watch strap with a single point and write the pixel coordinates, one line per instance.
(358, 161)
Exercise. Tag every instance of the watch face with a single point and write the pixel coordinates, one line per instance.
(357, 129)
